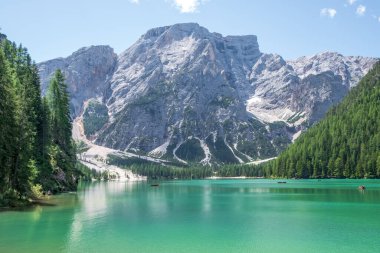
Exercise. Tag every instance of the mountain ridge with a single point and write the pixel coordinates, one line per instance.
(344, 144)
(181, 90)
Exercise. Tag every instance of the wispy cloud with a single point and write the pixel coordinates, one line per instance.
(351, 2)
(329, 12)
(361, 10)
(134, 1)
(187, 6)
(378, 19)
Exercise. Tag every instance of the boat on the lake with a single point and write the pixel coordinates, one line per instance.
(362, 187)
(154, 185)
(281, 182)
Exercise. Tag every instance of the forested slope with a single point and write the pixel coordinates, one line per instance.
(346, 143)
(36, 149)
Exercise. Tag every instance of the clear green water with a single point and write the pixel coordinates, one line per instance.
(202, 216)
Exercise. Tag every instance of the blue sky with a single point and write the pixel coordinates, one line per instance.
(291, 28)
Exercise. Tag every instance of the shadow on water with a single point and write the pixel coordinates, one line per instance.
(27, 208)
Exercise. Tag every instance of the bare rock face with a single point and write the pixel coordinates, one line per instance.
(301, 91)
(183, 93)
(182, 88)
(87, 72)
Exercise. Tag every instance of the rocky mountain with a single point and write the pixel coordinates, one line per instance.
(87, 72)
(183, 93)
(344, 144)
(304, 89)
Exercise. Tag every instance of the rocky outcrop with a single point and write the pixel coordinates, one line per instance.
(87, 72)
(301, 91)
(183, 93)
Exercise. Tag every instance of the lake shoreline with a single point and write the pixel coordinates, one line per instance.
(24, 206)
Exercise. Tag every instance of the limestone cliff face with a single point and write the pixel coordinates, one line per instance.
(184, 93)
(304, 89)
(87, 73)
(183, 83)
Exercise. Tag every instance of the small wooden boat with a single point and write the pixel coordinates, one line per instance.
(362, 187)
(281, 182)
(154, 185)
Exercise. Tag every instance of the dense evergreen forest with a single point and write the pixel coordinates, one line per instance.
(345, 144)
(36, 149)
(175, 170)
(169, 170)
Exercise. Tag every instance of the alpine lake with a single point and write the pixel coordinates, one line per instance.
(235, 215)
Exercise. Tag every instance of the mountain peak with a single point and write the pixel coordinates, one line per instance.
(94, 63)
(174, 48)
(92, 50)
(182, 28)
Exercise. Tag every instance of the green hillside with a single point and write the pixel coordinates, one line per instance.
(346, 143)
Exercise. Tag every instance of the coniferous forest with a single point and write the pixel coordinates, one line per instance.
(345, 144)
(37, 153)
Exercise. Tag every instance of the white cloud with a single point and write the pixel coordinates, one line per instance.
(134, 1)
(351, 2)
(361, 10)
(187, 6)
(328, 12)
(379, 19)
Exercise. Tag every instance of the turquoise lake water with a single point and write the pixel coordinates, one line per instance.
(202, 216)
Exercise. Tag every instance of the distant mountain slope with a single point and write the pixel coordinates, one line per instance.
(301, 91)
(87, 72)
(346, 143)
(183, 93)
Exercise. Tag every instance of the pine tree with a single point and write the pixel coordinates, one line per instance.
(24, 94)
(62, 150)
(7, 124)
(35, 140)
(44, 177)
